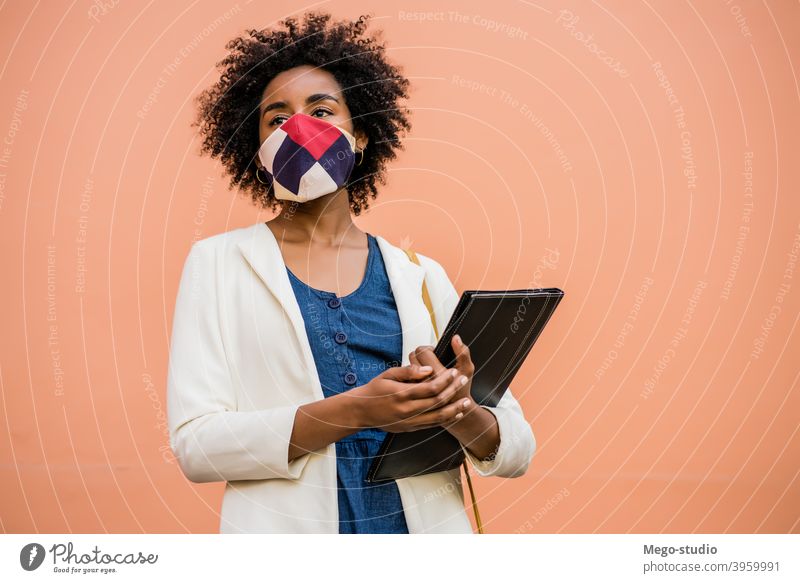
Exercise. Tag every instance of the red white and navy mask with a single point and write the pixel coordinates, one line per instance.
(307, 157)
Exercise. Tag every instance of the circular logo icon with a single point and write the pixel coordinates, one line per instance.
(31, 556)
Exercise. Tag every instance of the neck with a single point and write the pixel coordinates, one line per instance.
(325, 220)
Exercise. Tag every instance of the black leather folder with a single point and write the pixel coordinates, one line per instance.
(500, 328)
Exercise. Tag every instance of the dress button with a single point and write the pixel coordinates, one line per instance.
(340, 337)
(350, 378)
(334, 303)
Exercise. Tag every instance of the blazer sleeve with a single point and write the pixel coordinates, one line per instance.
(212, 441)
(517, 442)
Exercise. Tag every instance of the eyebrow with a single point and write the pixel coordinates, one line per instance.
(311, 99)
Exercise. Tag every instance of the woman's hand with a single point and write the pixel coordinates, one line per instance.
(402, 399)
(474, 426)
(424, 355)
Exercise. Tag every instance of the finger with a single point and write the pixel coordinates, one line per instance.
(411, 386)
(426, 388)
(412, 358)
(463, 356)
(443, 398)
(441, 416)
(412, 372)
(426, 356)
(430, 387)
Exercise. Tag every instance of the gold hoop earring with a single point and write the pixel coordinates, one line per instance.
(360, 160)
(258, 176)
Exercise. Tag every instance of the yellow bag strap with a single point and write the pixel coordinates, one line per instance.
(426, 298)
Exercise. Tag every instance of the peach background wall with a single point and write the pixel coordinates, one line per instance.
(642, 156)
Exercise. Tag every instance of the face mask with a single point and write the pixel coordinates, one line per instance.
(307, 157)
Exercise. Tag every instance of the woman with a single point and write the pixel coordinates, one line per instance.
(297, 343)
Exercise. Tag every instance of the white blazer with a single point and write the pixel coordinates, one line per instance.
(240, 365)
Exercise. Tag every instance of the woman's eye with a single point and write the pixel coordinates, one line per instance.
(319, 112)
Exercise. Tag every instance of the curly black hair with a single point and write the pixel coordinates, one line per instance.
(228, 119)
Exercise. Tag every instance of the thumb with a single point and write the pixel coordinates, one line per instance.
(411, 372)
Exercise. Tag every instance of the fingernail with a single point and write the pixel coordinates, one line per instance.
(465, 403)
(425, 368)
(458, 339)
(453, 373)
(459, 415)
(462, 382)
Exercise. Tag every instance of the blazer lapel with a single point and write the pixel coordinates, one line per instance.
(405, 278)
(262, 252)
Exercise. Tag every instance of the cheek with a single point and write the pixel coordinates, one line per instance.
(342, 119)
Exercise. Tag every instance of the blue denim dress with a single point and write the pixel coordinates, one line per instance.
(353, 339)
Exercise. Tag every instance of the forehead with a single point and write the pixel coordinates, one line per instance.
(300, 82)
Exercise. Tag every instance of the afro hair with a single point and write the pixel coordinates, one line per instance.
(228, 119)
